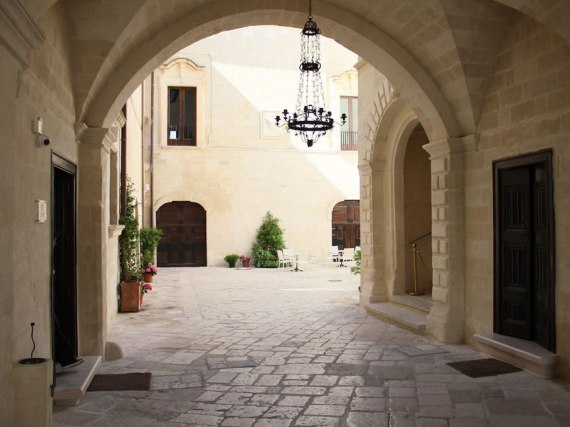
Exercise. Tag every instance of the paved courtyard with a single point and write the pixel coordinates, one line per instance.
(269, 348)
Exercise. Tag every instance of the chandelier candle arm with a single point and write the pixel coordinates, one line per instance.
(311, 120)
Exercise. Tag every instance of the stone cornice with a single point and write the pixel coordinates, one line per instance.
(106, 138)
(120, 120)
(450, 146)
(18, 32)
(115, 230)
(182, 61)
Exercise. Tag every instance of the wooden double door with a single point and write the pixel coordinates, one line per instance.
(346, 224)
(524, 249)
(184, 241)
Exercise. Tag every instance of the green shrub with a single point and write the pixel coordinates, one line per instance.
(129, 238)
(268, 240)
(149, 242)
(355, 269)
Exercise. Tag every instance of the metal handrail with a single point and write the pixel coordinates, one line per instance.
(420, 238)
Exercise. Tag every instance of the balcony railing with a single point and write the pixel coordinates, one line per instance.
(349, 140)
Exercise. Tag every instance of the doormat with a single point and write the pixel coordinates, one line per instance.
(121, 382)
(483, 368)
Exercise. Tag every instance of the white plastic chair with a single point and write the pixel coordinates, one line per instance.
(333, 254)
(281, 259)
(348, 255)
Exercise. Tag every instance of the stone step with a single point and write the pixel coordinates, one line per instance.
(399, 315)
(523, 354)
(422, 304)
(72, 384)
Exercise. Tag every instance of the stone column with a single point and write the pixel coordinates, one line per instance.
(446, 319)
(372, 235)
(92, 233)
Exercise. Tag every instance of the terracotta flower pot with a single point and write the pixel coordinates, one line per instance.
(130, 296)
(245, 263)
(148, 277)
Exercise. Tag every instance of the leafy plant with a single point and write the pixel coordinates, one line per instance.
(355, 269)
(231, 258)
(268, 240)
(129, 238)
(149, 238)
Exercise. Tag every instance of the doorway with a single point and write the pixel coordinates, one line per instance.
(346, 224)
(184, 241)
(64, 282)
(524, 249)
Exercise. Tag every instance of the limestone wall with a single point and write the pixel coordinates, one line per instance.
(37, 86)
(525, 110)
(243, 165)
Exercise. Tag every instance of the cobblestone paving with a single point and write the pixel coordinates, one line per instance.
(270, 348)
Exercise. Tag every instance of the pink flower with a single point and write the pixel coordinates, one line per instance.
(147, 287)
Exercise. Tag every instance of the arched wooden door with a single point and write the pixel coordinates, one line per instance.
(184, 240)
(346, 224)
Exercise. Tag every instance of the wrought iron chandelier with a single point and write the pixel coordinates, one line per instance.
(310, 119)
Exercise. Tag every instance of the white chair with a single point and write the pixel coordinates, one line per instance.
(283, 262)
(347, 255)
(333, 254)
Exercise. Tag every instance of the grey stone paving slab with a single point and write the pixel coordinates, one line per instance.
(257, 353)
(367, 419)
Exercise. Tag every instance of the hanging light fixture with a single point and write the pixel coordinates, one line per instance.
(310, 119)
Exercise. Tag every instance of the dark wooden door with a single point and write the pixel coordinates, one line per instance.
(64, 284)
(346, 224)
(184, 240)
(524, 250)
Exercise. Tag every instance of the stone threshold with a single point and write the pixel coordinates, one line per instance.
(407, 311)
(523, 354)
(72, 384)
(398, 315)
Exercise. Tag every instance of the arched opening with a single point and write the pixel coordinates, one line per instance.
(417, 214)
(184, 241)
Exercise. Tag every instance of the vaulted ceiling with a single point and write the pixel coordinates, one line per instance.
(438, 53)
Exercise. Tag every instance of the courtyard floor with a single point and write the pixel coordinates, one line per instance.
(229, 347)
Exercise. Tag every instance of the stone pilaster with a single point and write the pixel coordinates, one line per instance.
(446, 320)
(95, 146)
(372, 283)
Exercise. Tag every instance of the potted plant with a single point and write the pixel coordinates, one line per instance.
(231, 259)
(149, 238)
(245, 260)
(148, 271)
(145, 288)
(130, 286)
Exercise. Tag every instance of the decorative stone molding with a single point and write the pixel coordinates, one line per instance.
(181, 61)
(107, 138)
(18, 32)
(449, 146)
(120, 120)
(115, 230)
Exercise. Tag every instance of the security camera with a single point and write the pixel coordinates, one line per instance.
(42, 140)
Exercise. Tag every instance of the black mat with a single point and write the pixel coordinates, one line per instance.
(121, 382)
(483, 368)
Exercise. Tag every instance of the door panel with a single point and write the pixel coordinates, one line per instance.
(515, 266)
(524, 249)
